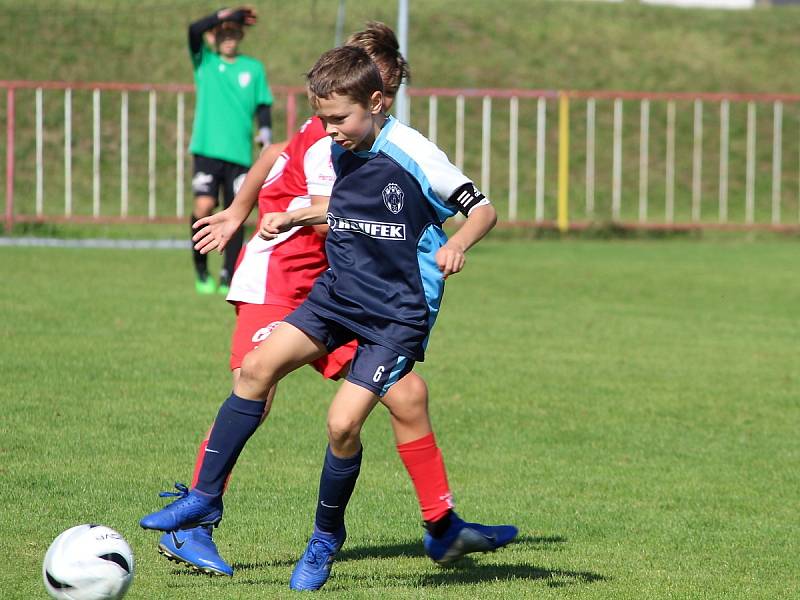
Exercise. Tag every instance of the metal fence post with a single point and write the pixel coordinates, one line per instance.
(563, 162)
(9, 159)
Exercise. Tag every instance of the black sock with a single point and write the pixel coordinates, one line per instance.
(200, 260)
(336, 484)
(232, 254)
(438, 528)
(236, 421)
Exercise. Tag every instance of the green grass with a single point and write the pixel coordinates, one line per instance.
(530, 44)
(632, 406)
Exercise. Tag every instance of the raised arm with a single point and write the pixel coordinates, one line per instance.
(246, 15)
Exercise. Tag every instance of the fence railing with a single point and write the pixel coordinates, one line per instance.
(547, 158)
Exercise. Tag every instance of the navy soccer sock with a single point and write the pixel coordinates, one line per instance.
(236, 421)
(336, 484)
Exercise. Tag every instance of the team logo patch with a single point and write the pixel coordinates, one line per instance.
(237, 183)
(393, 198)
(244, 79)
(373, 229)
(201, 182)
(263, 333)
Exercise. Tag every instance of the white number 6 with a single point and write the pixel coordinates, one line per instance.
(378, 374)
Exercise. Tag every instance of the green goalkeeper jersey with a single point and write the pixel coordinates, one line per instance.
(227, 96)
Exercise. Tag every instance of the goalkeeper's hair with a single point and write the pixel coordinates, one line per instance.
(345, 71)
(229, 29)
(380, 42)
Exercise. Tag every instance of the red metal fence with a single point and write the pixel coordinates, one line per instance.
(685, 160)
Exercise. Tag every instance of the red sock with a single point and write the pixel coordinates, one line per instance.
(198, 462)
(423, 461)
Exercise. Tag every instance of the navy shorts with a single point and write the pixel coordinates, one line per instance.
(374, 367)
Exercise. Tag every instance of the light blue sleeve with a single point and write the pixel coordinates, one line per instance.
(437, 176)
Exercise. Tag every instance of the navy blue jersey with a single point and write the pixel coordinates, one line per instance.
(385, 215)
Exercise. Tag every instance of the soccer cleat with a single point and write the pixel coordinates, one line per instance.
(196, 548)
(314, 567)
(189, 510)
(462, 538)
(205, 285)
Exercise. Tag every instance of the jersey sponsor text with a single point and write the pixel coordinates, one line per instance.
(373, 229)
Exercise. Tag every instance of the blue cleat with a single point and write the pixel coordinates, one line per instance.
(314, 567)
(189, 510)
(194, 547)
(462, 538)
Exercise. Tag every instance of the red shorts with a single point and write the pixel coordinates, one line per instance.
(254, 322)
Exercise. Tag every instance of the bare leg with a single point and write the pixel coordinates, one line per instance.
(407, 401)
(351, 406)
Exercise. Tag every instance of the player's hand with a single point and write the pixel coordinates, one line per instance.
(273, 224)
(264, 136)
(450, 258)
(246, 15)
(215, 231)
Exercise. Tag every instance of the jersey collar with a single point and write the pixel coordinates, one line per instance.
(380, 141)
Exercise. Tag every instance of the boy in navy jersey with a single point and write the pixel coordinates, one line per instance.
(388, 260)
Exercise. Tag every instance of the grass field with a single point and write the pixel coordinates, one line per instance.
(631, 406)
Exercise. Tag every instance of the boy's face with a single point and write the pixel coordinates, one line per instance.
(228, 43)
(350, 124)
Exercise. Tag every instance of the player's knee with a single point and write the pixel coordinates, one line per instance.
(343, 431)
(408, 401)
(203, 206)
(257, 370)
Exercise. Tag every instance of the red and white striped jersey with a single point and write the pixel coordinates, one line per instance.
(283, 270)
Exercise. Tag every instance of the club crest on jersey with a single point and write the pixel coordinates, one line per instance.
(373, 229)
(393, 198)
(244, 79)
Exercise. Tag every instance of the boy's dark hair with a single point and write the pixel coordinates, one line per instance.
(346, 71)
(228, 29)
(380, 42)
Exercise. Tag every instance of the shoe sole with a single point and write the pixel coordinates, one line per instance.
(182, 561)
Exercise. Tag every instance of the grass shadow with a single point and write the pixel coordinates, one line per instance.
(467, 572)
(463, 572)
(414, 548)
(264, 564)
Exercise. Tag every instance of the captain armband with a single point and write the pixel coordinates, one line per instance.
(467, 197)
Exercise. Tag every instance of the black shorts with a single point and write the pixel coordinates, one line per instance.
(374, 367)
(212, 173)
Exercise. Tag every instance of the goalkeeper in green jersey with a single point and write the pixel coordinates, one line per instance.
(231, 89)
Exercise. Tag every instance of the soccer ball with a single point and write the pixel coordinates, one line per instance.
(88, 562)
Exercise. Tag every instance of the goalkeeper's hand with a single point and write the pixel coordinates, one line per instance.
(264, 136)
(246, 15)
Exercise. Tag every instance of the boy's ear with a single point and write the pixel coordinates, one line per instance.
(376, 102)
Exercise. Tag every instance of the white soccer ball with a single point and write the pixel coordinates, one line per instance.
(88, 562)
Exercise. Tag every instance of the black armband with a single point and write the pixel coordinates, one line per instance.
(264, 115)
(466, 198)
